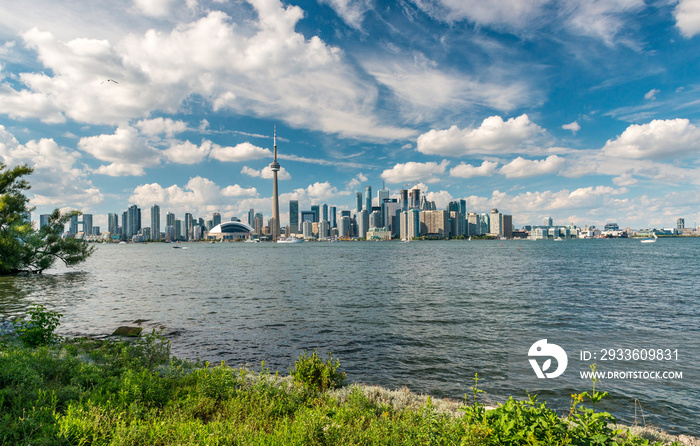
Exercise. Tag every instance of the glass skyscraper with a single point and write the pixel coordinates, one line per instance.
(294, 216)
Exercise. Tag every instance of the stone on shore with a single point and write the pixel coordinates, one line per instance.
(130, 332)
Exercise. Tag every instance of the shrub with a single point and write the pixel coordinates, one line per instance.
(39, 329)
(311, 372)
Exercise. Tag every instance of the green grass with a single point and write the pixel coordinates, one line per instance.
(94, 392)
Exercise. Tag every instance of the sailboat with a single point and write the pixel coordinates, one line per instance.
(650, 239)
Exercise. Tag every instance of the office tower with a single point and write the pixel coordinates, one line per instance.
(169, 219)
(345, 214)
(170, 235)
(307, 216)
(189, 226)
(435, 223)
(112, 223)
(507, 225)
(496, 223)
(472, 224)
(382, 194)
(197, 233)
(368, 199)
(258, 224)
(324, 229)
(358, 202)
(324, 212)
(403, 199)
(409, 224)
(125, 224)
(344, 226)
(251, 216)
(178, 229)
(87, 224)
(547, 221)
(456, 224)
(216, 219)
(375, 219)
(680, 224)
(73, 228)
(362, 223)
(453, 206)
(275, 167)
(155, 222)
(307, 229)
(414, 199)
(332, 217)
(44, 220)
(96, 230)
(484, 224)
(294, 216)
(315, 210)
(131, 222)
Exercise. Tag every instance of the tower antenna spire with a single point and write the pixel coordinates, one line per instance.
(275, 141)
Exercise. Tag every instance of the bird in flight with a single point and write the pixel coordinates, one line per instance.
(109, 80)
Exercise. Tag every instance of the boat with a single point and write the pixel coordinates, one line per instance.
(290, 240)
(406, 240)
(252, 240)
(650, 239)
(558, 239)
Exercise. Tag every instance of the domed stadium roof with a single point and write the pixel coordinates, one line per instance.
(231, 227)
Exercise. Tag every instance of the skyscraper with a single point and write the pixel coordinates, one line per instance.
(403, 199)
(324, 212)
(132, 224)
(170, 219)
(294, 216)
(189, 226)
(496, 223)
(44, 220)
(113, 223)
(362, 223)
(155, 222)
(87, 224)
(358, 202)
(315, 210)
(547, 221)
(73, 225)
(333, 213)
(275, 167)
(216, 219)
(251, 216)
(368, 199)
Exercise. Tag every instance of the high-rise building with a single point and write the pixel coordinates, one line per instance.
(216, 219)
(189, 226)
(307, 216)
(472, 224)
(345, 214)
(170, 219)
(324, 212)
(409, 224)
(275, 167)
(484, 224)
(382, 194)
(332, 217)
(435, 223)
(315, 210)
(155, 222)
(496, 223)
(132, 222)
(680, 224)
(375, 220)
(178, 229)
(294, 216)
(368, 199)
(258, 224)
(507, 225)
(307, 229)
(251, 216)
(456, 224)
(403, 199)
(73, 228)
(344, 226)
(87, 224)
(547, 221)
(362, 223)
(358, 202)
(414, 199)
(112, 223)
(44, 220)
(125, 224)
(324, 229)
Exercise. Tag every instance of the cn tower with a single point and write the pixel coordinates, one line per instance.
(275, 167)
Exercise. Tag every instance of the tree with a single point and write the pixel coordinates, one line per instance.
(22, 249)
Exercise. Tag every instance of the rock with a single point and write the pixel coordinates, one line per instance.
(141, 321)
(131, 332)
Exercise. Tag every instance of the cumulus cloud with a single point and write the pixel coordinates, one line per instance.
(656, 140)
(127, 152)
(242, 152)
(155, 8)
(266, 173)
(238, 191)
(494, 135)
(626, 179)
(260, 66)
(441, 198)
(58, 180)
(573, 126)
(188, 153)
(412, 171)
(356, 181)
(351, 11)
(523, 168)
(463, 170)
(687, 14)
(161, 126)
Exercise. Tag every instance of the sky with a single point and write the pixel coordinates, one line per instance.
(588, 112)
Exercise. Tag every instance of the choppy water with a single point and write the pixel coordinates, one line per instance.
(426, 315)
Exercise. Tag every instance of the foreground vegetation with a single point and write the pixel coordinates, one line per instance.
(110, 392)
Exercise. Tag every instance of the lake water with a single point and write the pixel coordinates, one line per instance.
(425, 315)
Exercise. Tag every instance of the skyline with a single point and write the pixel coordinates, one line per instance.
(583, 112)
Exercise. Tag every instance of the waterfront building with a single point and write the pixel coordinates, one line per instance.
(332, 219)
(547, 221)
(170, 233)
(358, 202)
(87, 224)
(258, 224)
(378, 234)
(216, 219)
(230, 230)
(189, 226)
(324, 212)
(390, 207)
(611, 227)
(315, 210)
(484, 224)
(680, 224)
(307, 229)
(472, 224)
(133, 221)
(178, 229)
(375, 220)
(496, 228)
(456, 224)
(294, 216)
(368, 199)
(403, 199)
(73, 227)
(113, 223)
(409, 225)
(251, 217)
(307, 216)
(275, 167)
(414, 199)
(145, 233)
(382, 194)
(362, 223)
(155, 222)
(169, 219)
(324, 229)
(44, 220)
(344, 225)
(209, 224)
(435, 223)
(507, 225)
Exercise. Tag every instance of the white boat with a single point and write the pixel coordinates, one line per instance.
(650, 239)
(558, 239)
(252, 240)
(290, 240)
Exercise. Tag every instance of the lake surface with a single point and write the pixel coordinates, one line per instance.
(425, 315)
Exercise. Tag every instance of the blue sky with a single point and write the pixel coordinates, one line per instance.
(588, 112)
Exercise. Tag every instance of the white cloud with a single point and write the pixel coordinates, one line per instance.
(493, 136)
(188, 153)
(463, 170)
(242, 152)
(238, 191)
(656, 140)
(573, 126)
(155, 8)
(161, 126)
(127, 152)
(57, 180)
(687, 14)
(441, 198)
(626, 179)
(351, 11)
(651, 94)
(523, 168)
(413, 171)
(356, 181)
(266, 173)
(510, 13)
